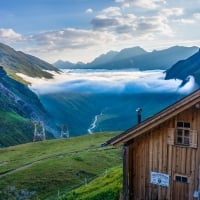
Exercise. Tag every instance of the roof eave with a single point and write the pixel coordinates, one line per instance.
(157, 119)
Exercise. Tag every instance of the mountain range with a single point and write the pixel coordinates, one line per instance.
(19, 106)
(135, 57)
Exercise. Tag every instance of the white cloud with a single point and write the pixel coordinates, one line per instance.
(112, 11)
(70, 38)
(89, 10)
(172, 12)
(109, 81)
(132, 25)
(196, 16)
(147, 4)
(69, 44)
(9, 35)
(184, 21)
(194, 19)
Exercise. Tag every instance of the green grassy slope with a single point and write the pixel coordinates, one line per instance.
(19, 62)
(106, 187)
(44, 168)
(18, 106)
(13, 128)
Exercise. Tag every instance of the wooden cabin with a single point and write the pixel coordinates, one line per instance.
(162, 154)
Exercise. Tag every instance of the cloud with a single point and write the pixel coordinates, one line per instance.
(104, 23)
(147, 4)
(112, 11)
(127, 23)
(70, 38)
(132, 25)
(191, 84)
(184, 21)
(106, 81)
(89, 11)
(196, 16)
(9, 35)
(154, 25)
(192, 20)
(172, 12)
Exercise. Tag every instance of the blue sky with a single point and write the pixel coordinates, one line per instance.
(80, 30)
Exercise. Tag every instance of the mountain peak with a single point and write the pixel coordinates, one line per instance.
(130, 52)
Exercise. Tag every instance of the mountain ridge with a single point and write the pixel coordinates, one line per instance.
(18, 62)
(186, 67)
(136, 57)
(19, 105)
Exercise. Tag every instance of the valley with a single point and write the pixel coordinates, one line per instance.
(90, 101)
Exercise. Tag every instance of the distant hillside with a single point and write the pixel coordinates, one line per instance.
(184, 68)
(18, 62)
(19, 105)
(137, 57)
(103, 59)
(62, 64)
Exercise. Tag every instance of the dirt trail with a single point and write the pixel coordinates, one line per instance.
(27, 165)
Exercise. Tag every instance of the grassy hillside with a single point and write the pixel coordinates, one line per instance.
(108, 187)
(18, 106)
(19, 62)
(13, 128)
(44, 168)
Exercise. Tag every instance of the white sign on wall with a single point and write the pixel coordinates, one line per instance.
(160, 179)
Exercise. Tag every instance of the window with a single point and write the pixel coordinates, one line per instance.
(183, 133)
(182, 179)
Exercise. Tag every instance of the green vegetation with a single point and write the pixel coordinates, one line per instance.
(106, 187)
(45, 168)
(19, 105)
(19, 62)
(14, 129)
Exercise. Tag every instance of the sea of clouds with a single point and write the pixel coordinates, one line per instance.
(110, 81)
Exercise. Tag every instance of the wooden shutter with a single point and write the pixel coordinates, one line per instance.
(193, 138)
(190, 179)
(171, 136)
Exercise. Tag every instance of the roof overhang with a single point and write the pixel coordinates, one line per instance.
(156, 119)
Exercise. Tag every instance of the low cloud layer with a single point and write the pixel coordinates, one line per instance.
(117, 82)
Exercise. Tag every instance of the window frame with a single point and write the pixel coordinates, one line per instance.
(182, 133)
(183, 178)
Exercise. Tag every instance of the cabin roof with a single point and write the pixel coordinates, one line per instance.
(156, 119)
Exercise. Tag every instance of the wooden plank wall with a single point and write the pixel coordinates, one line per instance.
(151, 152)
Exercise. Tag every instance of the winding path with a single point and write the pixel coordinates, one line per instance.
(27, 165)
